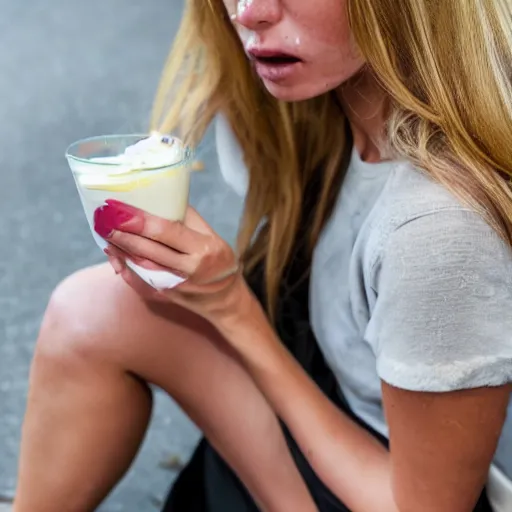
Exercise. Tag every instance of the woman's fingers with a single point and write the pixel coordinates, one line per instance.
(214, 264)
(190, 248)
(176, 235)
(195, 222)
(117, 216)
(117, 259)
(161, 255)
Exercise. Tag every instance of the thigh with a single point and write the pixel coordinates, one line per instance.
(105, 322)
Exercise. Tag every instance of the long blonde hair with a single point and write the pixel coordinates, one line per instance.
(447, 67)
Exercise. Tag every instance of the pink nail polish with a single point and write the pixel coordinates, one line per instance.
(113, 215)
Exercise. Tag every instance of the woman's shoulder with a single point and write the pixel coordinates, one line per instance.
(410, 194)
(413, 208)
(419, 223)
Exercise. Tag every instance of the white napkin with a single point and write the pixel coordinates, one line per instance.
(158, 279)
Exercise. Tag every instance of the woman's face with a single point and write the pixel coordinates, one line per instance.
(300, 48)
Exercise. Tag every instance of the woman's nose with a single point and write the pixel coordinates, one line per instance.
(256, 14)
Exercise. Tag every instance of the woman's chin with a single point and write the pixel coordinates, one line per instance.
(293, 93)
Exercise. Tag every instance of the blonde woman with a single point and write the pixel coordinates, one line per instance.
(372, 142)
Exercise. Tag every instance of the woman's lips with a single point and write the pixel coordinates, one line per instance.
(273, 65)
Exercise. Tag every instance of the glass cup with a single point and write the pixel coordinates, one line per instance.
(163, 191)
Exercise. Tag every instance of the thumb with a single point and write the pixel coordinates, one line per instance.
(194, 221)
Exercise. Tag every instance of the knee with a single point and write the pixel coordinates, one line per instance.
(77, 321)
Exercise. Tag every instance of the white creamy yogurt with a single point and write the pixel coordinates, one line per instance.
(148, 175)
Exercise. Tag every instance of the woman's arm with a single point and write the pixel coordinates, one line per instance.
(441, 444)
(441, 322)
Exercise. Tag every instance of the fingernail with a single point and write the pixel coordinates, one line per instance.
(111, 216)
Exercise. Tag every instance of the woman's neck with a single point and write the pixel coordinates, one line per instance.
(365, 104)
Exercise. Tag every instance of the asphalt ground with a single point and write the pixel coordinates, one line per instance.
(69, 70)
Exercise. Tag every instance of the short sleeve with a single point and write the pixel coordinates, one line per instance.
(442, 318)
(230, 155)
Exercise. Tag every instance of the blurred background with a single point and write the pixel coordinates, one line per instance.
(71, 69)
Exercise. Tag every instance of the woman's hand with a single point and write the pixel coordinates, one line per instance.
(214, 286)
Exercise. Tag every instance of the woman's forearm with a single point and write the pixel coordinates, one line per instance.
(354, 465)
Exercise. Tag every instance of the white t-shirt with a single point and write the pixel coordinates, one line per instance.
(407, 286)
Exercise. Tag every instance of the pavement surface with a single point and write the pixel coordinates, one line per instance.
(72, 69)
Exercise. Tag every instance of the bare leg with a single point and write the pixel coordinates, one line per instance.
(89, 407)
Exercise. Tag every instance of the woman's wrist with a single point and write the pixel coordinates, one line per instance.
(243, 320)
(237, 309)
